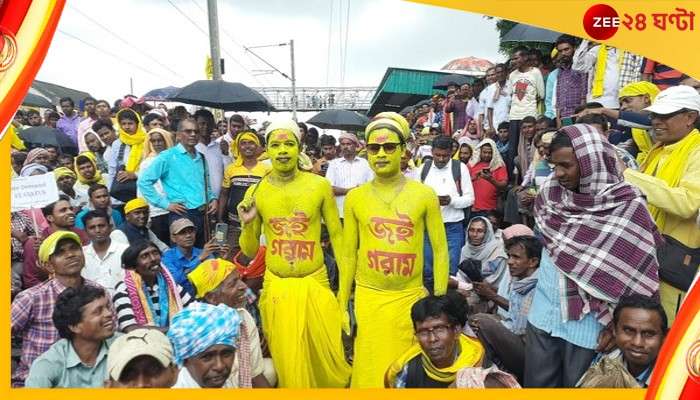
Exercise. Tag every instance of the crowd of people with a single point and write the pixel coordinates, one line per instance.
(538, 228)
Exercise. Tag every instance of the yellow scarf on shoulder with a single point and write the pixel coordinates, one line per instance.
(135, 140)
(471, 353)
(672, 170)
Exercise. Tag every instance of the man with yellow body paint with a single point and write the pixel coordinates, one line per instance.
(300, 314)
(385, 220)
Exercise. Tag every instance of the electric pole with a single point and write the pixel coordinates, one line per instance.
(214, 47)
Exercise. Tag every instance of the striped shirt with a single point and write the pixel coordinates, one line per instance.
(348, 174)
(546, 313)
(662, 75)
(125, 312)
(31, 318)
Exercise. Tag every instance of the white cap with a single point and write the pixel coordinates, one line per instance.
(675, 98)
(139, 342)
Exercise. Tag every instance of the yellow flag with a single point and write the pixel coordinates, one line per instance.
(209, 69)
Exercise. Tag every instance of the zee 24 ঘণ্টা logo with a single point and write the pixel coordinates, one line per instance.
(601, 21)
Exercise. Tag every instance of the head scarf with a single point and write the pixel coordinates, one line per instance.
(207, 276)
(304, 162)
(135, 204)
(93, 160)
(33, 154)
(235, 144)
(15, 142)
(546, 138)
(398, 118)
(639, 89)
(28, 169)
(286, 125)
(201, 326)
(496, 160)
(148, 150)
(392, 122)
(490, 249)
(135, 140)
(517, 230)
(349, 136)
(60, 172)
(602, 237)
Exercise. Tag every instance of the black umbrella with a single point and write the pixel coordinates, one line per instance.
(34, 100)
(339, 119)
(228, 96)
(160, 94)
(528, 33)
(422, 103)
(406, 110)
(452, 79)
(42, 136)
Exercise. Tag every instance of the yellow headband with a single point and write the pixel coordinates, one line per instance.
(208, 275)
(233, 149)
(63, 171)
(405, 127)
(134, 205)
(639, 89)
(385, 123)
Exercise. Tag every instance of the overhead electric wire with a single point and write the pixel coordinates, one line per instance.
(225, 32)
(207, 35)
(122, 59)
(124, 41)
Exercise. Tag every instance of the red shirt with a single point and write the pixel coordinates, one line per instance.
(485, 193)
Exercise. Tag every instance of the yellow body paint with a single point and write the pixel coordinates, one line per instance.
(300, 315)
(385, 222)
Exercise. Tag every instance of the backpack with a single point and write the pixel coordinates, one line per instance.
(456, 175)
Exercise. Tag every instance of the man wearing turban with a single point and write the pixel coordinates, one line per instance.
(204, 340)
(218, 281)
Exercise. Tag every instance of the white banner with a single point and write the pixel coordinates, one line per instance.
(33, 191)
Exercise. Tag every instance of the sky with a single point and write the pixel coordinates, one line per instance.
(99, 46)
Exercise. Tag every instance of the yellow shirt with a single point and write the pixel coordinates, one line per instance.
(681, 203)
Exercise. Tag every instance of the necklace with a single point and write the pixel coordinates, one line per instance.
(396, 193)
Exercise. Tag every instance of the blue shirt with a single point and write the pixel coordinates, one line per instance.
(182, 178)
(546, 313)
(179, 266)
(117, 218)
(550, 110)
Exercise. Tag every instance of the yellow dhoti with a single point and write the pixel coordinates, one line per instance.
(302, 324)
(384, 331)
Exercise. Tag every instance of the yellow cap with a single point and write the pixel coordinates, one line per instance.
(48, 246)
(135, 204)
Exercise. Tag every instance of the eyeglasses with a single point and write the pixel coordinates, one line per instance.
(668, 116)
(373, 148)
(439, 331)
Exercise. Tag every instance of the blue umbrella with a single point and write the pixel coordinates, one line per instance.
(160, 94)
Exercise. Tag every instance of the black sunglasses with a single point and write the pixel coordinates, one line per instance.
(373, 148)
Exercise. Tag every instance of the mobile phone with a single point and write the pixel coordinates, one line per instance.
(221, 233)
(487, 171)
